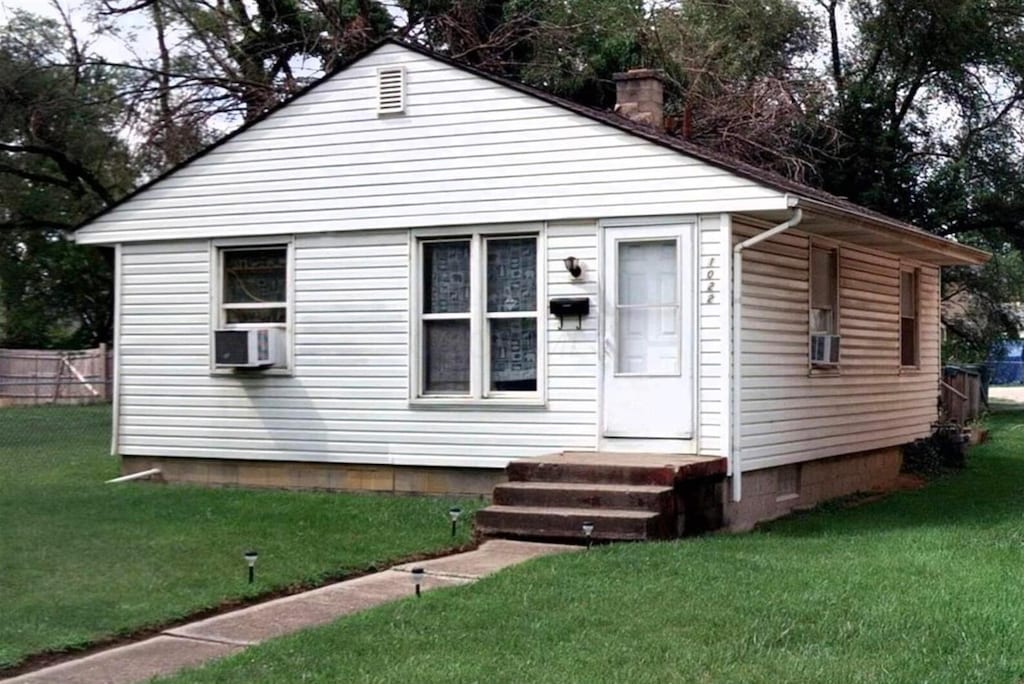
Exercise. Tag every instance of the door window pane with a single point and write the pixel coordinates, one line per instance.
(513, 354)
(446, 357)
(648, 335)
(446, 277)
(647, 272)
(512, 274)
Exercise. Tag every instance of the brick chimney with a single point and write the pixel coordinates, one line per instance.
(639, 96)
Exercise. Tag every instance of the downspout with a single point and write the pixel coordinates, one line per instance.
(141, 475)
(737, 343)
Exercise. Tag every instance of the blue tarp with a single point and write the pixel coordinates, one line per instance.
(1007, 363)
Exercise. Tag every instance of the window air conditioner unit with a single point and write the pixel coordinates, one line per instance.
(257, 348)
(825, 350)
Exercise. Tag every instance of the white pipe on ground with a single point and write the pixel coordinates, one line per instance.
(141, 475)
(737, 345)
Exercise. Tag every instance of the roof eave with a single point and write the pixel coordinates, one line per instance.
(945, 252)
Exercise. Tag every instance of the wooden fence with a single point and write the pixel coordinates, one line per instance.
(962, 394)
(30, 376)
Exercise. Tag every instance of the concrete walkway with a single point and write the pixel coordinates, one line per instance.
(1007, 395)
(198, 642)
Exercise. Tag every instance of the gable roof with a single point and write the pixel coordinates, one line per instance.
(802, 194)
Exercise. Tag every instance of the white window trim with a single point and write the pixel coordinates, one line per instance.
(910, 268)
(217, 248)
(479, 374)
(824, 243)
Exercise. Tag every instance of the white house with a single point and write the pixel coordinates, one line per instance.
(400, 232)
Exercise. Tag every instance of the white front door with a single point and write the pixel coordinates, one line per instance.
(648, 332)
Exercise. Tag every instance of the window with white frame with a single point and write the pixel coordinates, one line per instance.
(478, 316)
(908, 318)
(824, 291)
(253, 285)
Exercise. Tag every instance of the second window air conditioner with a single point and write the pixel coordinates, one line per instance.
(825, 350)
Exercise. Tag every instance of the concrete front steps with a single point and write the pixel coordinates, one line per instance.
(627, 497)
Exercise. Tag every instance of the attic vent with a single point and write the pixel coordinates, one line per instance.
(391, 90)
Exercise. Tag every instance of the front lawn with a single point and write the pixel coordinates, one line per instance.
(81, 560)
(924, 586)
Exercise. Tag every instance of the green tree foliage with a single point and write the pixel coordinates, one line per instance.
(248, 51)
(60, 160)
(930, 107)
(222, 62)
(733, 81)
(911, 107)
(78, 131)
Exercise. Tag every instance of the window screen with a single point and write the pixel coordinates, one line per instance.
(254, 285)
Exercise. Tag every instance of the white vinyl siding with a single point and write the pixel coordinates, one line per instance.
(790, 414)
(572, 361)
(466, 152)
(348, 400)
(714, 320)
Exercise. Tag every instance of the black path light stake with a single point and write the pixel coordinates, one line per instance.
(417, 579)
(250, 558)
(453, 514)
(588, 531)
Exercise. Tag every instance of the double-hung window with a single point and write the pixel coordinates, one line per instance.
(253, 289)
(908, 318)
(824, 291)
(824, 312)
(478, 317)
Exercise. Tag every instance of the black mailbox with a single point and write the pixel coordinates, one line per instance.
(570, 306)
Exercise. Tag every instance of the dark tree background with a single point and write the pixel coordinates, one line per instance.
(911, 107)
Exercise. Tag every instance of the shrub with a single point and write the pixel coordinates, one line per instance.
(944, 450)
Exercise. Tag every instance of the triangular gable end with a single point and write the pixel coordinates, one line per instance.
(464, 150)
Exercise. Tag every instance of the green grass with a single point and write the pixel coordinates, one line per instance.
(924, 586)
(81, 560)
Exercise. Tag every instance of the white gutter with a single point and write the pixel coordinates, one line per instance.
(737, 344)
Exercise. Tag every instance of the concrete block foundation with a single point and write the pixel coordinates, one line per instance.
(767, 494)
(319, 476)
(775, 492)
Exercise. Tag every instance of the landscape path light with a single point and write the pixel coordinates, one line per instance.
(417, 579)
(250, 559)
(453, 515)
(588, 531)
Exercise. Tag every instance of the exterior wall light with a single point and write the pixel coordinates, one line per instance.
(573, 266)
